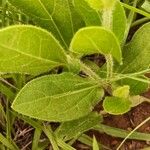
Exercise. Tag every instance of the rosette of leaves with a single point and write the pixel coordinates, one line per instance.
(64, 38)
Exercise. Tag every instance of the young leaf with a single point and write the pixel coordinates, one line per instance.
(122, 92)
(75, 128)
(90, 40)
(57, 16)
(58, 97)
(136, 54)
(116, 105)
(28, 49)
(93, 17)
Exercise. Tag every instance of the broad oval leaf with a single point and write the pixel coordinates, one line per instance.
(116, 105)
(58, 97)
(91, 40)
(136, 54)
(57, 16)
(94, 17)
(29, 50)
(74, 128)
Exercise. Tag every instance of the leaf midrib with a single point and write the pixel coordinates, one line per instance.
(32, 56)
(60, 95)
(51, 18)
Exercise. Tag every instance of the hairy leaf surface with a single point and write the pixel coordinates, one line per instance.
(28, 49)
(91, 40)
(57, 16)
(58, 97)
(136, 87)
(116, 105)
(94, 17)
(74, 128)
(89, 15)
(136, 54)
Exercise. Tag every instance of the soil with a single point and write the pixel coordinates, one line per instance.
(127, 122)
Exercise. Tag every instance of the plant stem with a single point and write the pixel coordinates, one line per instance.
(140, 21)
(136, 10)
(81, 67)
(107, 22)
(109, 62)
(107, 18)
(89, 72)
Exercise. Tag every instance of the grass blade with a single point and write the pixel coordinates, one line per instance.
(122, 133)
(5, 142)
(36, 138)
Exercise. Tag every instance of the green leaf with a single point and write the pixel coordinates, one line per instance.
(58, 97)
(136, 87)
(136, 54)
(146, 5)
(89, 15)
(119, 21)
(94, 17)
(74, 128)
(95, 4)
(122, 92)
(116, 105)
(95, 144)
(91, 40)
(116, 132)
(136, 100)
(7, 143)
(101, 4)
(57, 16)
(29, 50)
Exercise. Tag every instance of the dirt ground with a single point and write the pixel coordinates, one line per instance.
(127, 122)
